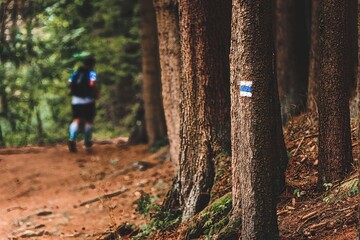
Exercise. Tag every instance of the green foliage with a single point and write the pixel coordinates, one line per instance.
(160, 218)
(349, 188)
(145, 204)
(328, 186)
(39, 53)
(231, 230)
(297, 193)
(212, 219)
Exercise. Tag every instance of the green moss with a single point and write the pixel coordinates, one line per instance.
(230, 231)
(212, 219)
(160, 218)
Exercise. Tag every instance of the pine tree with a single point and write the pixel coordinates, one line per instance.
(154, 113)
(335, 154)
(170, 62)
(205, 98)
(254, 121)
(292, 56)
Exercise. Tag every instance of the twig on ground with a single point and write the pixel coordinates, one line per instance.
(309, 215)
(298, 147)
(318, 225)
(110, 195)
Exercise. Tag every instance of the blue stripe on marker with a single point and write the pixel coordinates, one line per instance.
(246, 89)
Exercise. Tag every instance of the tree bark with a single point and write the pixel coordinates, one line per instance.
(358, 106)
(154, 113)
(205, 98)
(292, 56)
(281, 153)
(254, 120)
(170, 62)
(335, 155)
(312, 101)
(2, 140)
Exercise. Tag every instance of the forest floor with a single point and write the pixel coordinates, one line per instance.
(48, 193)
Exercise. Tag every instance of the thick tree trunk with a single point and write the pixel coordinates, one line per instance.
(170, 62)
(253, 117)
(205, 99)
(292, 56)
(312, 101)
(334, 72)
(154, 113)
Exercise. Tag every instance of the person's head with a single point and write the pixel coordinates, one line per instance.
(89, 62)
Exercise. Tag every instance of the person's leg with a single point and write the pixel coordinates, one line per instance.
(88, 133)
(73, 129)
(90, 114)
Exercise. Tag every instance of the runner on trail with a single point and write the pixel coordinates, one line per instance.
(84, 93)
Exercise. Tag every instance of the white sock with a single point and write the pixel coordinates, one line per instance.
(73, 129)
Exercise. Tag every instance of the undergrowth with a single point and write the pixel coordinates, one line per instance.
(349, 188)
(160, 218)
(212, 219)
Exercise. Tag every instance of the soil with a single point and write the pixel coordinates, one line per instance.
(44, 190)
(49, 193)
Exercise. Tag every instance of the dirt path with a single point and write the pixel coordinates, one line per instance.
(43, 190)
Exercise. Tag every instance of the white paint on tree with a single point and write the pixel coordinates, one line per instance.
(246, 88)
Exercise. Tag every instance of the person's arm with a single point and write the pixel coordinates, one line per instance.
(93, 85)
(71, 79)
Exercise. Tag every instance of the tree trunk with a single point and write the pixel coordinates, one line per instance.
(353, 85)
(253, 118)
(281, 153)
(2, 140)
(154, 113)
(170, 62)
(40, 129)
(358, 106)
(138, 133)
(205, 99)
(334, 72)
(292, 56)
(312, 101)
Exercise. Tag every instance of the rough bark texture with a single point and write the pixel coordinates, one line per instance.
(154, 113)
(292, 56)
(253, 119)
(170, 62)
(205, 98)
(334, 72)
(312, 101)
(281, 158)
(358, 104)
(353, 86)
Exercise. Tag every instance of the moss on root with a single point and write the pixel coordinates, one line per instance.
(230, 232)
(212, 219)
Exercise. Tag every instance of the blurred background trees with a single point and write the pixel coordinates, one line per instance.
(41, 44)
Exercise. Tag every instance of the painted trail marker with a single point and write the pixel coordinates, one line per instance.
(246, 88)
